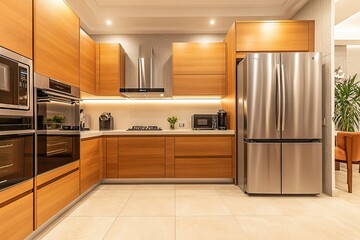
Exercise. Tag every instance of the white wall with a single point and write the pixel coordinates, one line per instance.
(323, 12)
(349, 58)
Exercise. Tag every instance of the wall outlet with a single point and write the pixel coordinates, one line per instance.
(181, 125)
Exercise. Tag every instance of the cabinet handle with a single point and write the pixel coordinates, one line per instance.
(6, 166)
(3, 181)
(7, 146)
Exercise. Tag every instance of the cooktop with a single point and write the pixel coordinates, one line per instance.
(144, 128)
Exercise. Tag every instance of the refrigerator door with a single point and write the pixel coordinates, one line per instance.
(262, 96)
(302, 94)
(301, 168)
(263, 168)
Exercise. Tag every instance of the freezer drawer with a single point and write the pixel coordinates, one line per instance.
(301, 168)
(263, 168)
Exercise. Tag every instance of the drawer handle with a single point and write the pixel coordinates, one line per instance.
(7, 146)
(6, 166)
(55, 144)
(1, 182)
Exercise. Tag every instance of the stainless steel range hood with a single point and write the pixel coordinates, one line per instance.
(144, 86)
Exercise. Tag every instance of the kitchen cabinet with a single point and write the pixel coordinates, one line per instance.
(87, 63)
(90, 163)
(198, 69)
(204, 157)
(56, 41)
(141, 157)
(16, 26)
(111, 157)
(111, 69)
(275, 36)
(16, 211)
(55, 190)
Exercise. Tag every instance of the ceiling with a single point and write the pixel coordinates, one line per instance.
(347, 20)
(176, 16)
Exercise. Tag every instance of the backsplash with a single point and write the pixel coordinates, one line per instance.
(148, 112)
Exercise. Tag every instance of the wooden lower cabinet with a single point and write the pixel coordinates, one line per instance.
(111, 157)
(16, 218)
(204, 167)
(141, 157)
(54, 196)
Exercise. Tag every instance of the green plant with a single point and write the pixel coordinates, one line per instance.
(347, 104)
(172, 120)
(58, 118)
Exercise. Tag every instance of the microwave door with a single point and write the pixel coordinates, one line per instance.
(4, 78)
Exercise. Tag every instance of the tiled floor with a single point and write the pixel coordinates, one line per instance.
(211, 212)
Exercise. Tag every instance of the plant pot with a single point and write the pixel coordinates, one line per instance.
(172, 126)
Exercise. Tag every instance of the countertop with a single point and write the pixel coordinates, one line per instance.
(93, 133)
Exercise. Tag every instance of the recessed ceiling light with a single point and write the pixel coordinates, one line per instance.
(108, 22)
(212, 22)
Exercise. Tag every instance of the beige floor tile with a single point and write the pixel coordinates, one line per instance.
(153, 193)
(117, 187)
(205, 186)
(234, 193)
(112, 194)
(99, 207)
(78, 228)
(149, 206)
(200, 205)
(209, 228)
(142, 228)
(156, 186)
(202, 192)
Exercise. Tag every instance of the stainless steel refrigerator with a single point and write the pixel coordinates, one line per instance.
(279, 123)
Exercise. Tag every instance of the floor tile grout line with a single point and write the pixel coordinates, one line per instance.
(125, 203)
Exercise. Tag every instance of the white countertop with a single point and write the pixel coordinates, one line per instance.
(89, 134)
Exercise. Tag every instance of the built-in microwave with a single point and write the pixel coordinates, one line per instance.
(204, 122)
(16, 87)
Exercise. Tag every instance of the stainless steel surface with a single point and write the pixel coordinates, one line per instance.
(27, 63)
(260, 94)
(17, 132)
(141, 73)
(5, 72)
(263, 168)
(278, 97)
(303, 96)
(151, 85)
(283, 100)
(58, 132)
(240, 123)
(301, 168)
(43, 82)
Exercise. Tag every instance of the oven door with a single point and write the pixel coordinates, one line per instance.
(16, 158)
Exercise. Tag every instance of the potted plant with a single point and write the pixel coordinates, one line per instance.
(172, 120)
(347, 102)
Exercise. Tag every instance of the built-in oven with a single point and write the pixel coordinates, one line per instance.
(16, 89)
(57, 123)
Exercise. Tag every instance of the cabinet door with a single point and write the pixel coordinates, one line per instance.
(56, 41)
(87, 63)
(141, 157)
(275, 36)
(198, 58)
(112, 158)
(112, 69)
(16, 26)
(89, 163)
(198, 85)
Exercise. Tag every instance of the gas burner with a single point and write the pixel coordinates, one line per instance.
(144, 128)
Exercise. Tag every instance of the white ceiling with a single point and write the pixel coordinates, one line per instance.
(347, 20)
(176, 16)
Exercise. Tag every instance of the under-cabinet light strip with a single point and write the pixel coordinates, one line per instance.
(152, 101)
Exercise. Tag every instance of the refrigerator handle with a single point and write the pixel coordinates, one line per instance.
(278, 102)
(283, 97)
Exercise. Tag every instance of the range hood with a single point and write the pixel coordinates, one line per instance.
(145, 85)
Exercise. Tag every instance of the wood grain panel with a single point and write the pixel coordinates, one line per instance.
(16, 190)
(141, 157)
(87, 63)
(16, 26)
(112, 157)
(203, 168)
(90, 159)
(112, 68)
(271, 36)
(170, 157)
(311, 36)
(17, 218)
(198, 58)
(198, 85)
(203, 146)
(56, 41)
(55, 196)
(50, 175)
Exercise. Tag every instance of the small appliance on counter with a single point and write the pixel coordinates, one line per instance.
(144, 128)
(84, 121)
(204, 122)
(106, 121)
(221, 119)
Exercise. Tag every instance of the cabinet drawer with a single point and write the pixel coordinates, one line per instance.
(203, 146)
(55, 196)
(90, 175)
(17, 218)
(203, 168)
(90, 152)
(198, 85)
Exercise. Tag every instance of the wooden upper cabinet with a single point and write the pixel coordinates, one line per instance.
(198, 58)
(111, 60)
(16, 26)
(56, 41)
(87, 63)
(273, 36)
(198, 85)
